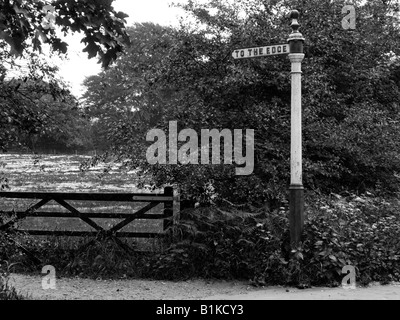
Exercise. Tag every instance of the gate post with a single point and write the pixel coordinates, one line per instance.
(168, 208)
(176, 205)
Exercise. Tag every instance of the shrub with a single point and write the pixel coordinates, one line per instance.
(211, 242)
(249, 244)
(358, 231)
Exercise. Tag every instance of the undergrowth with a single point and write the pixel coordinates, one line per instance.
(227, 243)
(8, 292)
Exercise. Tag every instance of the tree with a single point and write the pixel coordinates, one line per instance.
(20, 95)
(22, 26)
(64, 127)
(123, 101)
(351, 97)
(33, 109)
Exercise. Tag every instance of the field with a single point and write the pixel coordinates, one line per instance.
(61, 173)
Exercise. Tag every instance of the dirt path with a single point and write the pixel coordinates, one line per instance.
(86, 289)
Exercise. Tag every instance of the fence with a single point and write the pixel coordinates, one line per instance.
(170, 199)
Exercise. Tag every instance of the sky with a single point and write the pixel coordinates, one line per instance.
(79, 66)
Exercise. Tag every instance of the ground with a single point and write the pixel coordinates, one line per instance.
(86, 289)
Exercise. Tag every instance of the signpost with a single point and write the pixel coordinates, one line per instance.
(294, 49)
(296, 198)
(261, 51)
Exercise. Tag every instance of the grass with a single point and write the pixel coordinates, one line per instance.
(8, 292)
(62, 174)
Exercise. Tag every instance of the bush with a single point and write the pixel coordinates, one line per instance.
(358, 231)
(214, 243)
(234, 243)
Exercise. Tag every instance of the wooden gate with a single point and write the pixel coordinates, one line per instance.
(170, 214)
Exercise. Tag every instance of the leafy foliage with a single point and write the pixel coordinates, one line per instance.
(7, 250)
(360, 232)
(236, 243)
(21, 25)
(357, 231)
(351, 96)
(37, 105)
(122, 100)
(65, 126)
(27, 80)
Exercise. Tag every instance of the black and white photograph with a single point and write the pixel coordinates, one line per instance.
(197, 158)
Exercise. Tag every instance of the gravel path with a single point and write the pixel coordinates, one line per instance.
(86, 289)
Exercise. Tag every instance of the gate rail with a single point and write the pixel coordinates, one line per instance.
(170, 199)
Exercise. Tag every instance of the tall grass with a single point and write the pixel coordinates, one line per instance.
(8, 292)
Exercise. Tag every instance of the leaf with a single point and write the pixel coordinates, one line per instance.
(121, 15)
(60, 46)
(21, 11)
(17, 46)
(248, 242)
(92, 49)
(108, 57)
(39, 33)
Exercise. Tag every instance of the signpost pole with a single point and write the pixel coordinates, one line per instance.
(296, 190)
(296, 56)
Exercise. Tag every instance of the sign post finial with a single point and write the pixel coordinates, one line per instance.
(296, 39)
(294, 15)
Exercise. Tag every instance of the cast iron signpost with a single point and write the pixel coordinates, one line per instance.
(294, 49)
